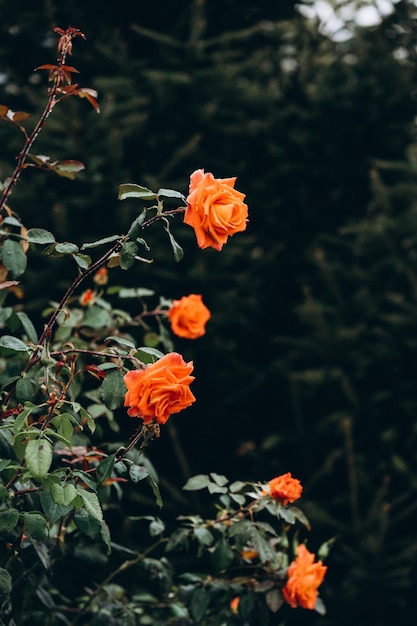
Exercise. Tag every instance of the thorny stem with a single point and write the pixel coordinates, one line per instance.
(80, 278)
(146, 432)
(26, 148)
(156, 217)
(33, 136)
(243, 511)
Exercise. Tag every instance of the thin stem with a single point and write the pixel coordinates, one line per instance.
(28, 145)
(124, 566)
(48, 327)
(33, 136)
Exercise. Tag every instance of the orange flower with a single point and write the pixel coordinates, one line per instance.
(234, 605)
(189, 316)
(284, 488)
(160, 389)
(249, 554)
(215, 209)
(87, 297)
(101, 277)
(304, 577)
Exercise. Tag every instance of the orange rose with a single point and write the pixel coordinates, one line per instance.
(234, 605)
(215, 209)
(101, 277)
(160, 389)
(284, 488)
(87, 297)
(304, 577)
(188, 316)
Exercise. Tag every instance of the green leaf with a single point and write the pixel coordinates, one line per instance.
(320, 607)
(91, 503)
(63, 495)
(5, 313)
(28, 327)
(156, 527)
(100, 242)
(214, 488)
(12, 221)
(171, 193)
(13, 257)
(299, 515)
(67, 248)
(26, 389)
(222, 555)
(38, 457)
(105, 468)
(199, 603)
(246, 607)
(5, 585)
(131, 190)
(156, 491)
(96, 317)
(106, 537)
(36, 526)
(39, 235)
(9, 344)
(286, 514)
(135, 292)
(87, 523)
(197, 482)
(148, 355)
(219, 479)
(69, 168)
(204, 536)
(236, 486)
(113, 390)
(128, 253)
(238, 498)
(52, 510)
(8, 519)
(64, 426)
(178, 251)
(121, 341)
(82, 260)
(136, 226)
(20, 421)
(178, 539)
(137, 473)
(263, 547)
(88, 419)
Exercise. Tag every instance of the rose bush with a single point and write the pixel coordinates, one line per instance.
(64, 388)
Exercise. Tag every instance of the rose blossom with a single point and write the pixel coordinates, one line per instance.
(304, 577)
(214, 209)
(188, 316)
(160, 389)
(284, 488)
(87, 297)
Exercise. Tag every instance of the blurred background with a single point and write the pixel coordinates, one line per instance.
(309, 364)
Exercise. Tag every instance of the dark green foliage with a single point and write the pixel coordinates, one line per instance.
(309, 364)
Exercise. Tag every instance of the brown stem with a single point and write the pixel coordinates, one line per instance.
(48, 327)
(28, 144)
